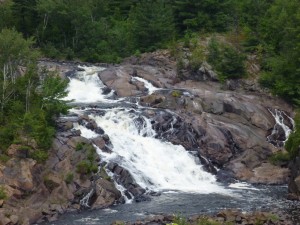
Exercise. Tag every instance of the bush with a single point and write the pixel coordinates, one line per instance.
(3, 194)
(226, 60)
(39, 155)
(280, 157)
(293, 143)
(4, 158)
(69, 178)
(79, 146)
(86, 167)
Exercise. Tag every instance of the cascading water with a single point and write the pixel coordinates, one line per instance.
(155, 165)
(284, 126)
(87, 87)
(147, 84)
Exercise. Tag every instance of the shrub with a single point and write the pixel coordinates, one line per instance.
(69, 178)
(4, 158)
(39, 155)
(280, 157)
(226, 60)
(79, 146)
(293, 143)
(3, 194)
(86, 167)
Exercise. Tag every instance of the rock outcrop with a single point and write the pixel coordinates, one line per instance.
(37, 192)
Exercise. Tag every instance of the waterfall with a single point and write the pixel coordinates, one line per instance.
(155, 165)
(283, 127)
(148, 85)
(86, 87)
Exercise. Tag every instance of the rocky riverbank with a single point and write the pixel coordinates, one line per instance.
(224, 217)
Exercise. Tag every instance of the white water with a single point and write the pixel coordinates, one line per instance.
(154, 164)
(279, 119)
(87, 87)
(147, 84)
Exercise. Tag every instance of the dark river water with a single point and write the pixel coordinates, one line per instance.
(187, 204)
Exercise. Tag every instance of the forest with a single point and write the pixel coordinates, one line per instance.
(110, 30)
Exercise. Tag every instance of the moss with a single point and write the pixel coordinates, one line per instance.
(79, 146)
(4, 158)
(69, 178)
(3, 194)
(176, 93)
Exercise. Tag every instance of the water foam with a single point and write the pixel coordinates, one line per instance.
(86, 87)
(154, 164)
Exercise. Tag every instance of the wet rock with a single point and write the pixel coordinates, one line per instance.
(153, 99)
(105, 194)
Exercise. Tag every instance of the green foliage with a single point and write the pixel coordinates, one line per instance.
(226, 60)
(152, 24)
(7, 13)
(69, 178)
(4, 158)
(3, 194)
(176, 94)
(29, 101)
(208, 221)
(79, 146)
(39, 155)
(201, 221)
(280, 157)
(179, 220)
(293, 143)
(86, 167)
(89, 165)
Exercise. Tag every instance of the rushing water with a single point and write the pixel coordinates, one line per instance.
(155, 165)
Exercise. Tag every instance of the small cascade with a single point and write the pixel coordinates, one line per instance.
(283, 127)
(148, 85)
(86, 87)
(84, 202)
